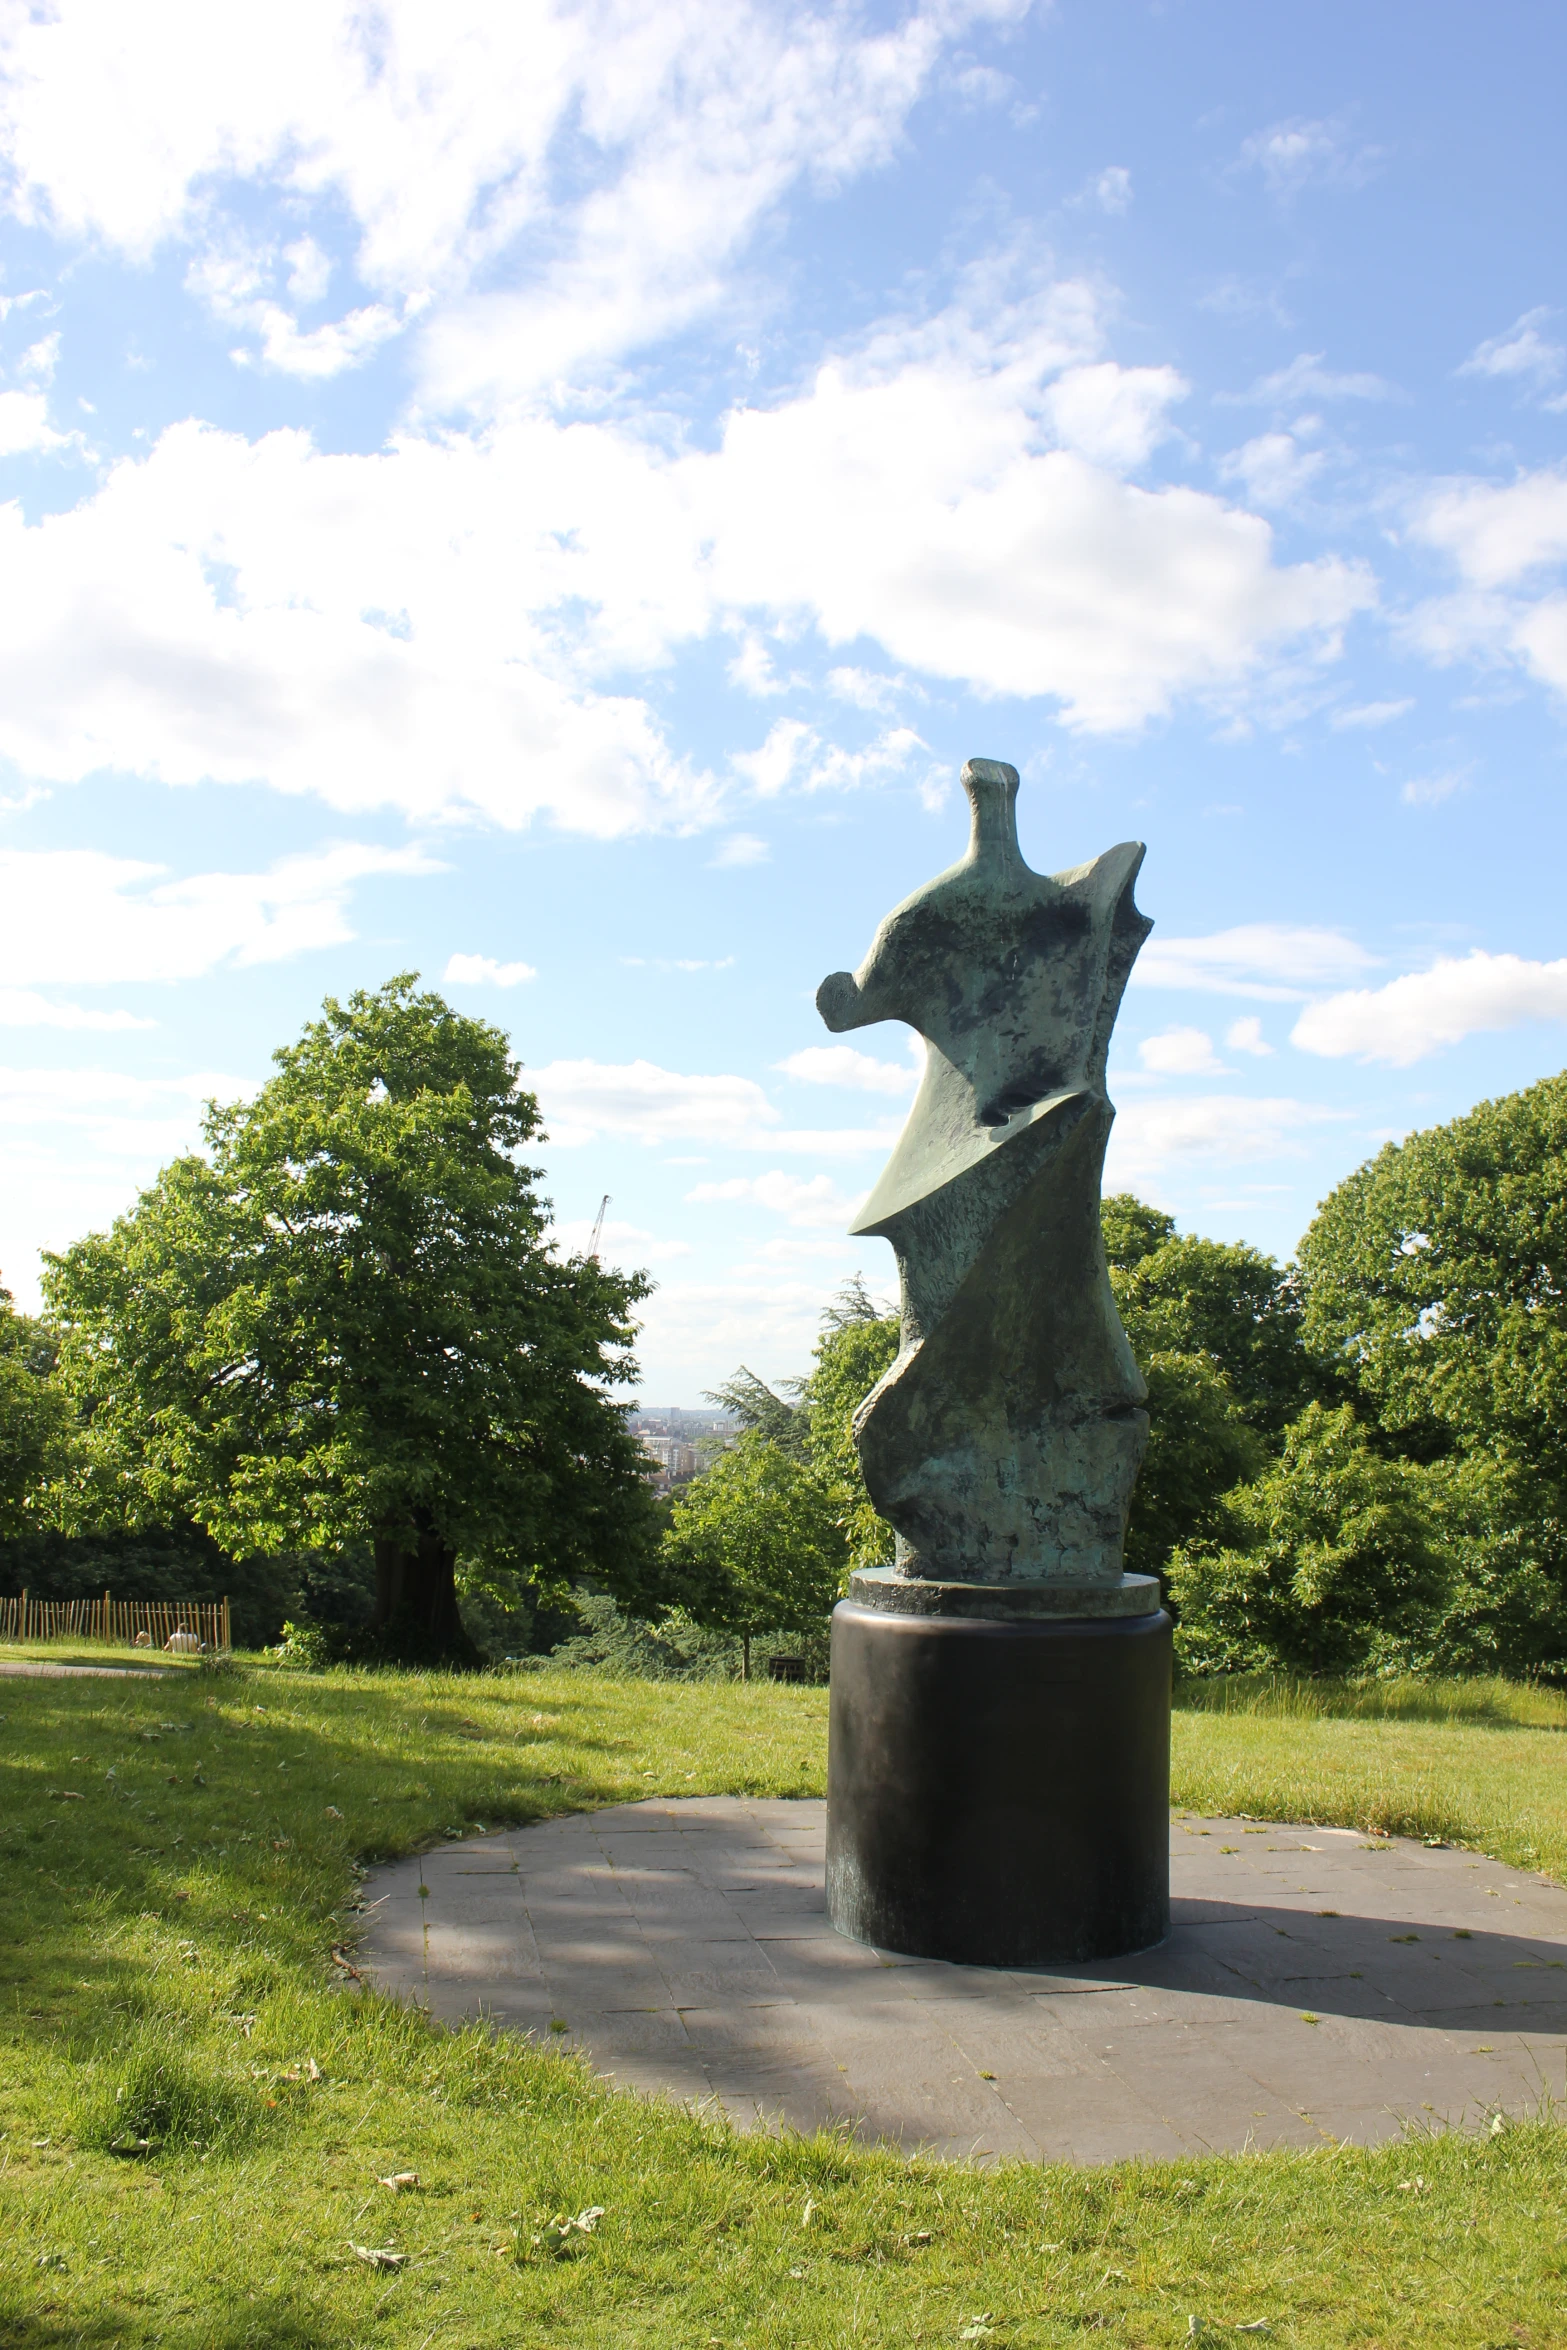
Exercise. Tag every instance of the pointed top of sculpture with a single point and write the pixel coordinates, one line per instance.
(992, 794)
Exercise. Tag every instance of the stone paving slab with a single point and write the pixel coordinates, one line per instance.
(1317, 1985)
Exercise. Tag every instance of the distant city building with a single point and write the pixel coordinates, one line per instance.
(675, 1459)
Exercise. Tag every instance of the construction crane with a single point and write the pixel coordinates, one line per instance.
(598, 1228)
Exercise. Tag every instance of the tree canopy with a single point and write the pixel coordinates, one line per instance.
(34, 1418)
(764, 1541)
(1436, 1282)
(345, 1324)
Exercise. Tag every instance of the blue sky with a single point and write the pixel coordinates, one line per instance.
(550, 496)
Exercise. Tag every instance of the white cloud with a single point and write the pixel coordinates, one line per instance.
(429, 626)
(795, 756)
(1245, 1036)
(584, 1098)
(319, 352)
(1303, 154)
(20, 1007)
(309, 270)
(840, 1064)
(697, 1332)
(1418, 1014)
(865, 688)
(619, 1243)
(484, 971)
(102, 1099)
(1306, 378)
(1497, 534)
(1521, 351)
(1151, 1140)
(741, 848)
(79, 916)
(904, 498)
(1370, 714)
(1499, 538)
(25, 429)
(219, 609)
(638, 1099)
(1272, 961)
(1113, 189)
(79, 1144)
(1181, 1052)
(1429, 791)
(638, 145)
(39, 361)
(808, 1200)
(1114, 416)
(1273, 469)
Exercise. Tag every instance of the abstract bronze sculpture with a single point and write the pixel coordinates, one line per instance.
(1003, 1444)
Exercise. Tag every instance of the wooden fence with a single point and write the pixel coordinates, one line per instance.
(120, 1623)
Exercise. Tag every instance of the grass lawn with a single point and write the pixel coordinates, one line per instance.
(197, 2118)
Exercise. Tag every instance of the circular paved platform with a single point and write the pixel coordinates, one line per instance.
(1316, 1986)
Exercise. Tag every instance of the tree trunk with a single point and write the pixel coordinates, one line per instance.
(416, 1611)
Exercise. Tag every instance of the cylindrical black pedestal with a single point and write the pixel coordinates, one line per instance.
(999, 1793)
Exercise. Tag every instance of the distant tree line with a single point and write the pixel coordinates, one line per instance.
(335, 1366)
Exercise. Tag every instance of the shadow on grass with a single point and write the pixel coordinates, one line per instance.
(264, 2324)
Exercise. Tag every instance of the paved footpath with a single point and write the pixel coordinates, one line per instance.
(1317, 1985)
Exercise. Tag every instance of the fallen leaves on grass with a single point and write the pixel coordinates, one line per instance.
(378, 2255)
(561, 2236)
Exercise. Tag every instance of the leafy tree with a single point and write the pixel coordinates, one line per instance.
(1332, 1558)
(857, 1346)
(764, 1540)
(1182, 1295)
(755, 1544)
(1216, 1329)
(1199, 1446)
(1437, 1277)
(756, 1405)
(1132, 1230)
(346, 1325)
(34, 1418)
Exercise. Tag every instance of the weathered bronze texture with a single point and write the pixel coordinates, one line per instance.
(1003, 1444)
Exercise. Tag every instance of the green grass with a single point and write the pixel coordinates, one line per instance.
(197, 2116)
(1478, 1763)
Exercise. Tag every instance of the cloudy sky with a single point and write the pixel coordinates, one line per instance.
(549, 495)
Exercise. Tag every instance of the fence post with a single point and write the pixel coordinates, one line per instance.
(228, 1640)
(22, 1633)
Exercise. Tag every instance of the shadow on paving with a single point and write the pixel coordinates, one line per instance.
(1374, 1969)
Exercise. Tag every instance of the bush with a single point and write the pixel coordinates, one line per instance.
(677, 1649)
(1332, 1562)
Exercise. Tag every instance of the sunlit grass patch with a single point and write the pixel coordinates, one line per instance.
(167, 1976)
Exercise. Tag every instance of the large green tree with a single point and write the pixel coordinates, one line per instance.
(1332, 1561)
(344, 1324)
(1436, 1278)
(1216, 1328)
(765, 1539)
(755, 1544)
(34, 1419)
(1179, 1294)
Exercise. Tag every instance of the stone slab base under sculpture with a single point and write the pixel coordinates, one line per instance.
(998, 1774)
